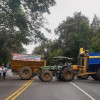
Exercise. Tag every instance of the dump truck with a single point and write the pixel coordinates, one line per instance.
(26, 65)
(88, 65)
(62, 70)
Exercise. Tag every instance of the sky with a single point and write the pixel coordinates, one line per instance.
(63, 9)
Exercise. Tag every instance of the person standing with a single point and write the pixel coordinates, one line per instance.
(4, 71)
(0, 72)
(8, 66)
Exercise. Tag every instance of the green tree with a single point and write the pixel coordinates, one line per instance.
(20, 23)
(74, 32)
(53, 50)
(95, 24)
(95, 42)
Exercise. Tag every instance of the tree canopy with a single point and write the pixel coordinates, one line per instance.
(76, 32)
(20, 23)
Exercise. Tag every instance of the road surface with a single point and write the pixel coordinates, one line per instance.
(34, 89)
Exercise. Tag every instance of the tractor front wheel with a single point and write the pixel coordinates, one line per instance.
(46, 76)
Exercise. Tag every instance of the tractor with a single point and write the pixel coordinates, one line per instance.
(62, 70)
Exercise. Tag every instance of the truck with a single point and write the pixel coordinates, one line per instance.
(88, 65)
(26, 64)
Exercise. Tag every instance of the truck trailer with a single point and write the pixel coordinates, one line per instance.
(26, 65)
(88, 65)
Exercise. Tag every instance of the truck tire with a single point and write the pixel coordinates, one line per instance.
(94, 76)
(46, 76)
(84, 77)
(25, 72)
(98, 74)
(67, 74)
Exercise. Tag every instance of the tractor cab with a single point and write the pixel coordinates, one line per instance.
(62, 61)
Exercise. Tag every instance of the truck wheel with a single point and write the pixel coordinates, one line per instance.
(46, 76)
(84, 77)
(98, 74)
(67, 74)
(94, 76)
(25, 72)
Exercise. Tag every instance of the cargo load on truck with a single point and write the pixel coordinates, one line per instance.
(26, 65)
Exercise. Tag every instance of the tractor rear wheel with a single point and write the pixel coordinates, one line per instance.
(25, 72)
(46, 76)
(67, 74)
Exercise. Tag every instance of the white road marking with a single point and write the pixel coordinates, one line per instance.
(83, 91)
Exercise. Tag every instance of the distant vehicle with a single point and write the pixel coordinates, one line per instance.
(26, 65)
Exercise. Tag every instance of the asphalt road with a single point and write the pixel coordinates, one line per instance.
(54, 90)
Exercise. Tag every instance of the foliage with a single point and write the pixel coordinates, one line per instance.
(20, 23)
(76, 32)
(95, 42)
(53, 50)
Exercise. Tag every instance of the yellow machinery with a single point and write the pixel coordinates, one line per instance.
(27, 65)
(88, 64)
